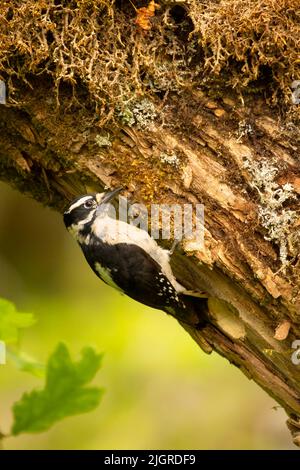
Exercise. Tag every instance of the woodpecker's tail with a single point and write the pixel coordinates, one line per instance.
(191, 310)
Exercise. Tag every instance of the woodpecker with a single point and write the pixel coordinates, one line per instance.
(128, 259)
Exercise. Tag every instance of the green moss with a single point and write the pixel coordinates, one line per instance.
(125, 116)
(251, 46)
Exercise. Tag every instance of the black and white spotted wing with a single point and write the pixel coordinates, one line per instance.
(130, 269)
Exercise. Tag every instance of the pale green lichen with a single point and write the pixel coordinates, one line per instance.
(139, 113)
(103, 140)
(244, 129)
(125, 116)
(144, 113)
(275, 218)
(170, 159)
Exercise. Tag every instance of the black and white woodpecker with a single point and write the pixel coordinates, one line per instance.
(128, 258)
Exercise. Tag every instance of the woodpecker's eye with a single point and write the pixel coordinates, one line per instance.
(89, 204)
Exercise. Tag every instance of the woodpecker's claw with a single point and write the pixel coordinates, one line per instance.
(174, 246)
(195, 293)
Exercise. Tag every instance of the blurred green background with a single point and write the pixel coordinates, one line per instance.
(162, 391)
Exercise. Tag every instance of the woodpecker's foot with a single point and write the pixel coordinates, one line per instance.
(195, 293)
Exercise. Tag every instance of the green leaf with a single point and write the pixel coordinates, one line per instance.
(65, 392)
(11, 321)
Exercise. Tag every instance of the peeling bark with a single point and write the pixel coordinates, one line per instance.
(253, 300)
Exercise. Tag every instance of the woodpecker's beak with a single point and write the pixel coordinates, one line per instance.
(107, 196)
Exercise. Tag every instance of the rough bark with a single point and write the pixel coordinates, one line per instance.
(252, 288)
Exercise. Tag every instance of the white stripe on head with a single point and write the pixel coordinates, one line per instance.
(87, 219)
(79, 203)
(76, 229)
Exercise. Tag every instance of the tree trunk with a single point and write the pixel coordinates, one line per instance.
(235, 155)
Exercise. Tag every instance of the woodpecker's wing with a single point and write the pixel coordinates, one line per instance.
(130, 269)
(146, 282)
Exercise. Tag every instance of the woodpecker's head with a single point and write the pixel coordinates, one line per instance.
(82, 211)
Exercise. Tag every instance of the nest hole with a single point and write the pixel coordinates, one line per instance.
(178, 14)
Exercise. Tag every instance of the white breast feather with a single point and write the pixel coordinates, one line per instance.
(113, 231)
